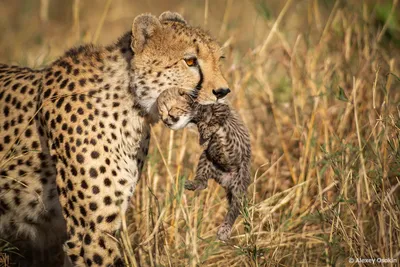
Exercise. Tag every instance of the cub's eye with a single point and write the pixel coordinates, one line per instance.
(191, 62)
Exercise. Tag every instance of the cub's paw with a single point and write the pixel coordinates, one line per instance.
(190, 185)
(224, 232)
(194, 185)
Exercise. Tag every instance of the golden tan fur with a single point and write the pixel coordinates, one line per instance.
(181, 41)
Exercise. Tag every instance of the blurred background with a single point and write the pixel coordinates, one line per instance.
(317, 83)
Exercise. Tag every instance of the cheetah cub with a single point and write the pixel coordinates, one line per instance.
(227, 154)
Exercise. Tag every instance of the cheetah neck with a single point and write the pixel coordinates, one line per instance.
(104, 79)
(120, 64)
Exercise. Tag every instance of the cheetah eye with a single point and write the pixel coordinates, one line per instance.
(191, 62)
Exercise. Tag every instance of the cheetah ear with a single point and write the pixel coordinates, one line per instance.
(144, 27)
(171, 16)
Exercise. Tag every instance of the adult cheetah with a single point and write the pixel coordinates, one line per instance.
(74, 135)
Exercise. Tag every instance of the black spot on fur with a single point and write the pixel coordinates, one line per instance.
(93, 206)
(97, 259)
(111, 218)
(107, 200)
(93, 173)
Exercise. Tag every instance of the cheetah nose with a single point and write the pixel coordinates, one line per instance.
(221, 92)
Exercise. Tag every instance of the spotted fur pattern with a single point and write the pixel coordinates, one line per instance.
(227, 154)
(74, 136)
(174, 108)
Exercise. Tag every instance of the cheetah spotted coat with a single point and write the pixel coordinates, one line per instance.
(74, 135)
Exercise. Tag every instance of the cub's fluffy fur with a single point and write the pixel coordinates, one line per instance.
(227, 154)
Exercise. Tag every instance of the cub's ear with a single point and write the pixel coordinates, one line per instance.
(143, 28)
(181, 91)
(172, 16)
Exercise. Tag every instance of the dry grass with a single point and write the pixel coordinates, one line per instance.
(317, 83)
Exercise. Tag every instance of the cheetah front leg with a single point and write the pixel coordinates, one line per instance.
(203, 173)
(94, 245)
(92, 217)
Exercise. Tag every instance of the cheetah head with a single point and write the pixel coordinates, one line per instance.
(169, 53)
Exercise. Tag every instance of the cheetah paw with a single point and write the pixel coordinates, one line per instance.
(224, 232)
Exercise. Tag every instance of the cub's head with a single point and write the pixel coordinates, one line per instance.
(175, 108)
(169, 53)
